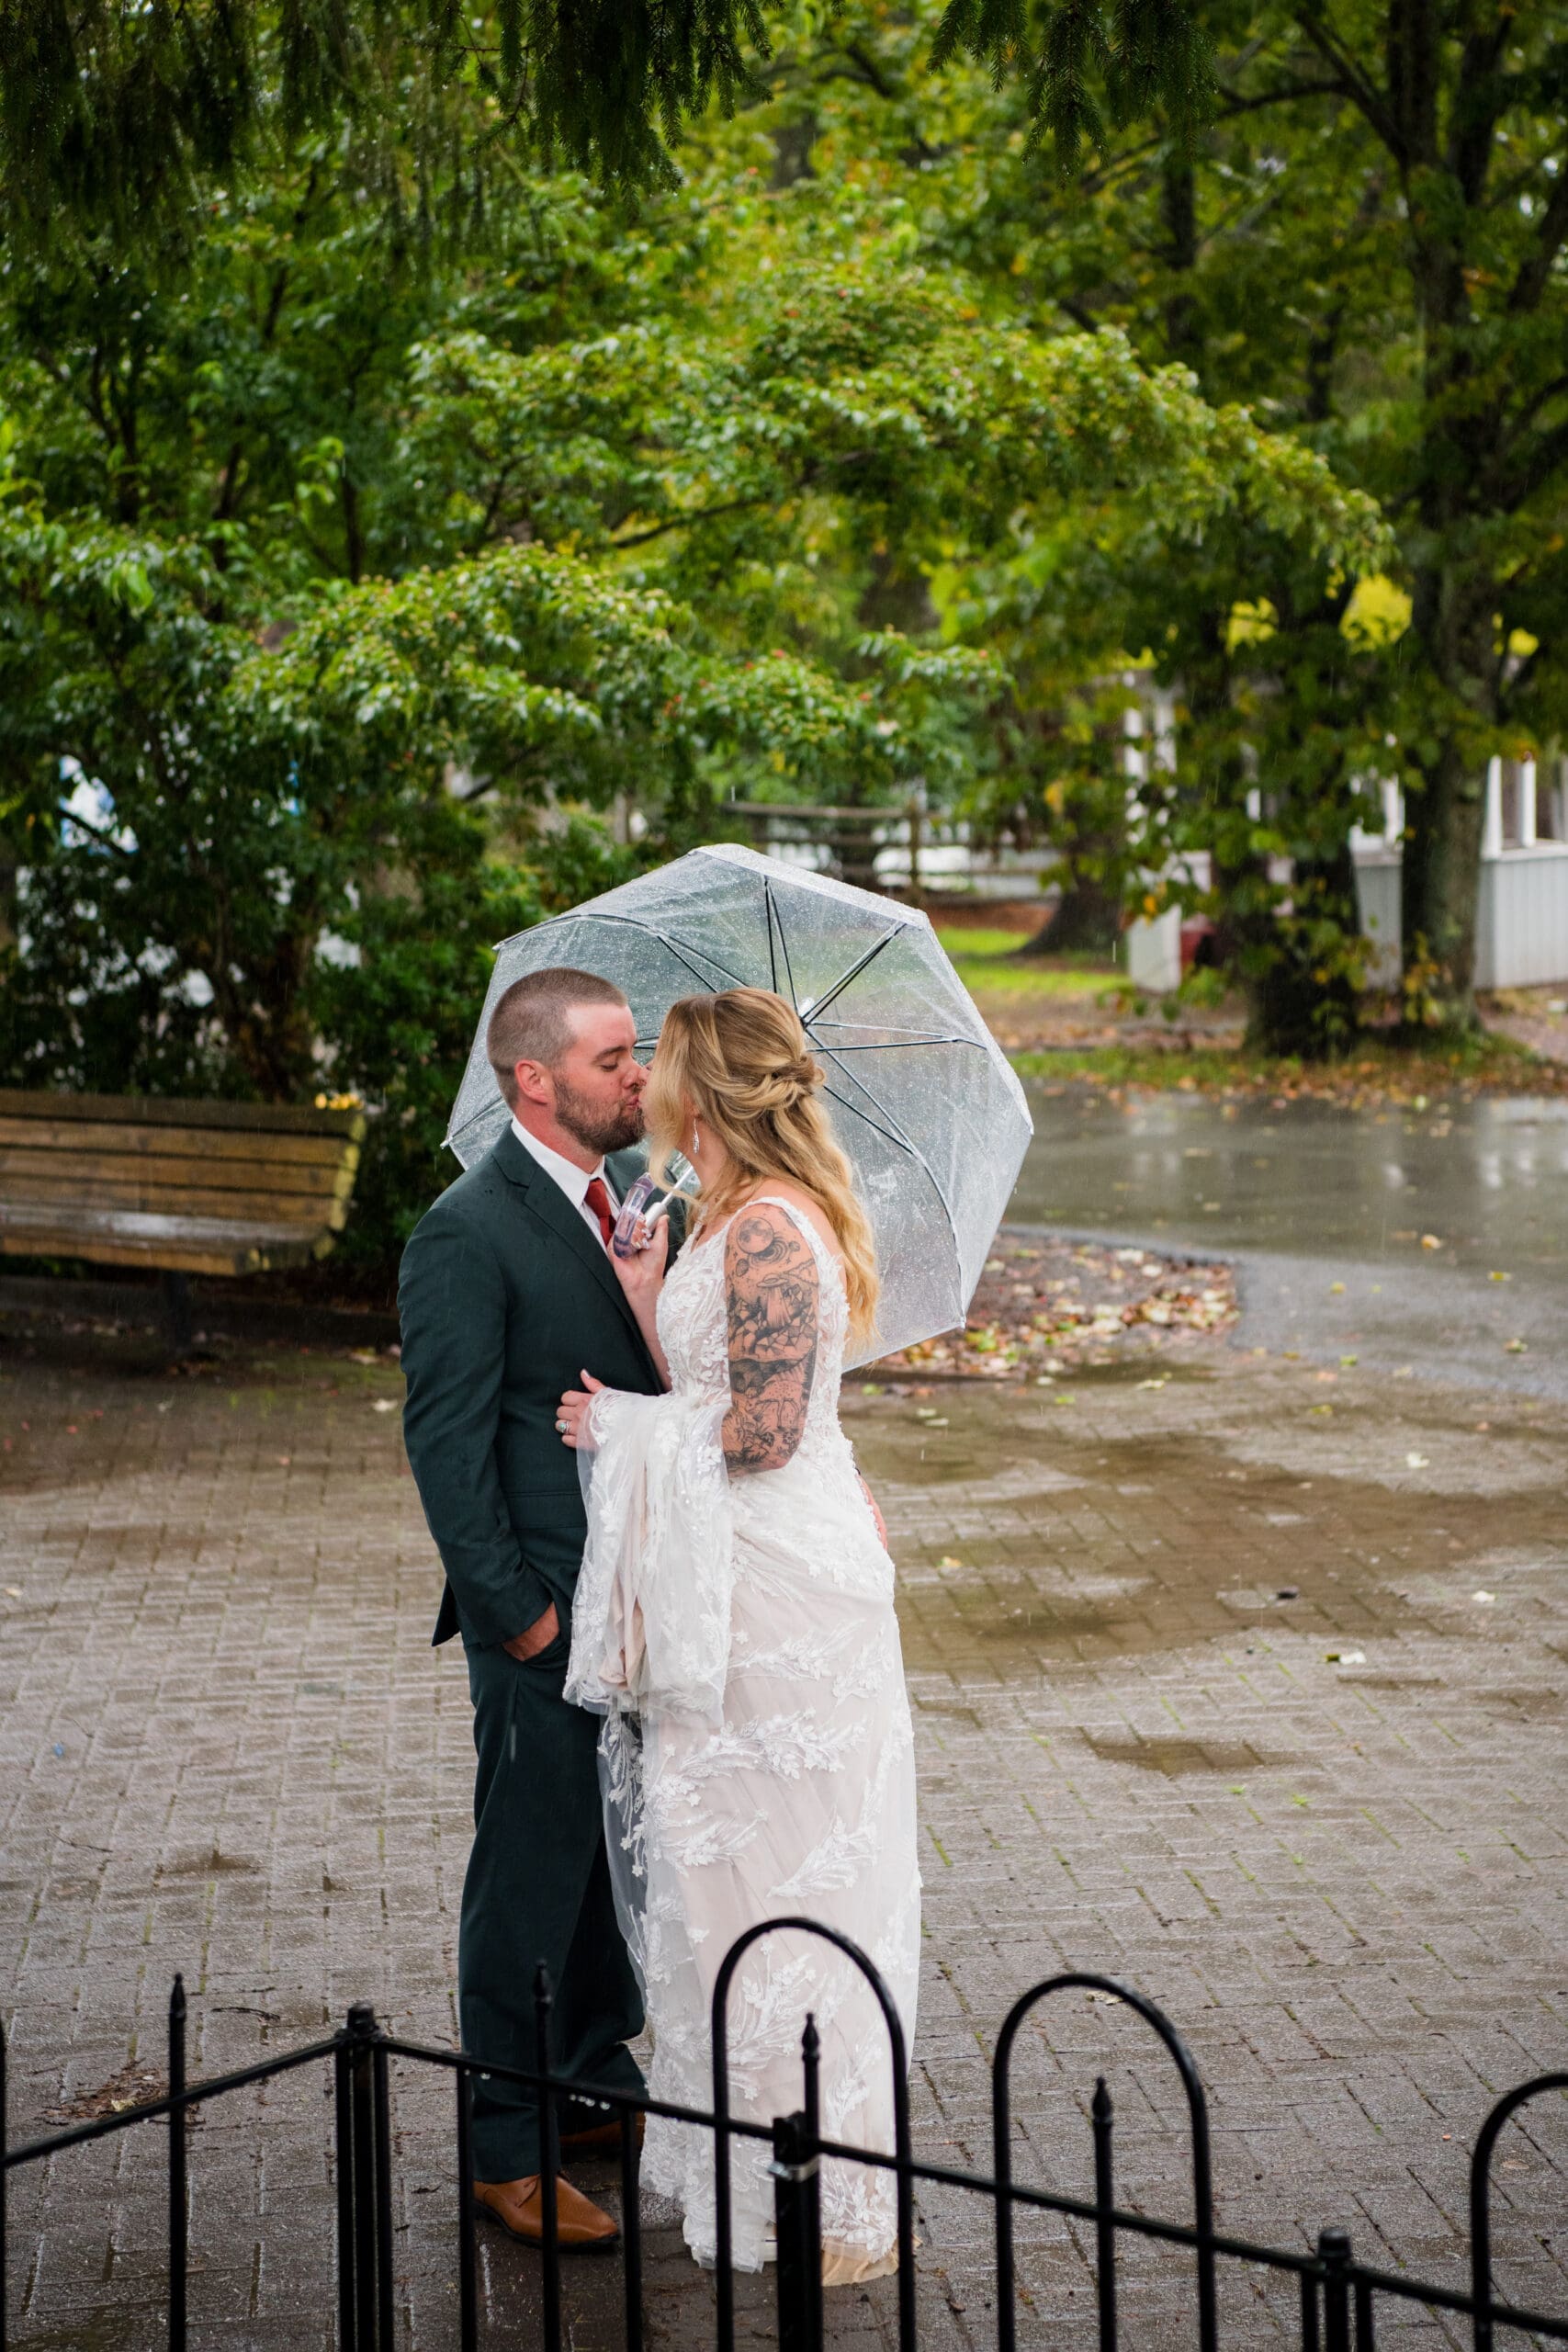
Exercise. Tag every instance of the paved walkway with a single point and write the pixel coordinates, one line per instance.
(1324, 1830)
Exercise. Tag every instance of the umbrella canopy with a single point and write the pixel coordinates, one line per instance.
(922, 1096)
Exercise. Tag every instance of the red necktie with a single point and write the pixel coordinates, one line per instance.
(598, 1200)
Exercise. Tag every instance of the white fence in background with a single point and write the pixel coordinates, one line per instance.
(1521, 929)
(1522, 918)
(904, 846)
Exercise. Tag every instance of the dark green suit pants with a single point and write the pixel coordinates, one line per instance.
(538, 1888)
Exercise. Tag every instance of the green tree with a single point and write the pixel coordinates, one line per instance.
(1365, 236)
(340, 567)
(120, 120)
(1069, 595)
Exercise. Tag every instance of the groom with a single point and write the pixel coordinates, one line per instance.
(507, 1294)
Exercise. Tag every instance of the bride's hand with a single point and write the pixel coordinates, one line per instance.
(641, 1275)
(572, 1410)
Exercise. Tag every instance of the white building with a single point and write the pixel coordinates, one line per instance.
(1521, 929)
(1521, 934)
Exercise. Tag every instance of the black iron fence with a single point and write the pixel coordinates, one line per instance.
(1340, 2298)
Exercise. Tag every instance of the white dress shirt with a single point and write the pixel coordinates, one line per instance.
(574, 1181)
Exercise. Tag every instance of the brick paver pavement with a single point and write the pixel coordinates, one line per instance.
(228, 1748)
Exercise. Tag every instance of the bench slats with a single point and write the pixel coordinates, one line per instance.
(178, 1244)
(135, 1139)
(57, 1175)
(194, 1188)
(167, 1111)
(307, 1211)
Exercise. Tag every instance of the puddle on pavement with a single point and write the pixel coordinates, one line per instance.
(1101, 1553)
(87, 1352)
(1488, 1178)
(1175, 1758)
(208, 1865)
(110, 2331)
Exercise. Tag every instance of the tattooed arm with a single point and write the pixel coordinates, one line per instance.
(771, 1287)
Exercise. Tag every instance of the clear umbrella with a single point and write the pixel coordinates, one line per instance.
(923, 1099)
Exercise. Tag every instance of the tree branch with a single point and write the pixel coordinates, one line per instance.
(1479, 104)
(1091, 183)
(1516, 485)
(1084, 320)
(684, 520)
(1355, 86)
(1529, 284)
(85, 825)
(1284, 96)
(872, 73)
(1541, 398)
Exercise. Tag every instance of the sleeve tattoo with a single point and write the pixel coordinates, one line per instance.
(771, 1287)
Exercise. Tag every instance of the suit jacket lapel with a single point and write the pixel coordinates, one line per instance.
(550, 1205)
(624, 1167)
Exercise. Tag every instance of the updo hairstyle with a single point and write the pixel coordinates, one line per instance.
(742, 1065)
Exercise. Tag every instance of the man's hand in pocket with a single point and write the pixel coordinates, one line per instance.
(539, 1636)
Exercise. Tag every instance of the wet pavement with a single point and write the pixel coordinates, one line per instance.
(1248, 1688)
(1436, 1239)
(1242, 1680)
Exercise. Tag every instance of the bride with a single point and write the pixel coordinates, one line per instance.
(734, 1624)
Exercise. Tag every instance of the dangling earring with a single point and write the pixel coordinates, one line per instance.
(696, 1139)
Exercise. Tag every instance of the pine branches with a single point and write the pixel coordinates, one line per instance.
(1090, 68)
(113, 118)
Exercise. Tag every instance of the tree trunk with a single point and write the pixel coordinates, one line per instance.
(1439, 886)
(1178, 208)
(1296, 1005)
(1454, 625)
(1085, 921)
(891, 600)
(1455, 599)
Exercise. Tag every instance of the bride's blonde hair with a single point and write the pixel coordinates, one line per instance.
(743, 1064)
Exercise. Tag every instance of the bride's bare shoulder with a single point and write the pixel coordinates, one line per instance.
(781, 1188)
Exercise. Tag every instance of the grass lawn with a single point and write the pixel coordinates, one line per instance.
(986, 966)
(1060, 1016)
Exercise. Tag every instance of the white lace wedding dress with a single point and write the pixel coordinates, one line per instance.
(737, 1634)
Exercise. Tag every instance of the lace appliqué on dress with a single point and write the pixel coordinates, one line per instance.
(756, 1756)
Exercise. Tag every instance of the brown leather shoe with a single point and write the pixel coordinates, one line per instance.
(599, 2139)
(519, 2206)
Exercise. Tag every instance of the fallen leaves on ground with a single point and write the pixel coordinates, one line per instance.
(1382, 1076)
(131, 2088)
(1044, 1307)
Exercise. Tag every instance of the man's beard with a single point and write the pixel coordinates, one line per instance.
(597, 1129)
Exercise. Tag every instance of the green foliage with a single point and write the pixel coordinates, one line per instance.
(398, 1019)
(379, 516)
(1063, 761)
(1089, 69)
(117, 121)
(1070, 590)
(1366, 243)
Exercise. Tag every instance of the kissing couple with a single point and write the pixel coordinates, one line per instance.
(675, 1601)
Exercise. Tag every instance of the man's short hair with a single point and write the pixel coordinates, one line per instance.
(531, 1022)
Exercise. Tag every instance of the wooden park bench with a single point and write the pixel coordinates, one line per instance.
(187, 1188)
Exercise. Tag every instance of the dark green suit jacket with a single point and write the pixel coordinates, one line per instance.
(505, 1299)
